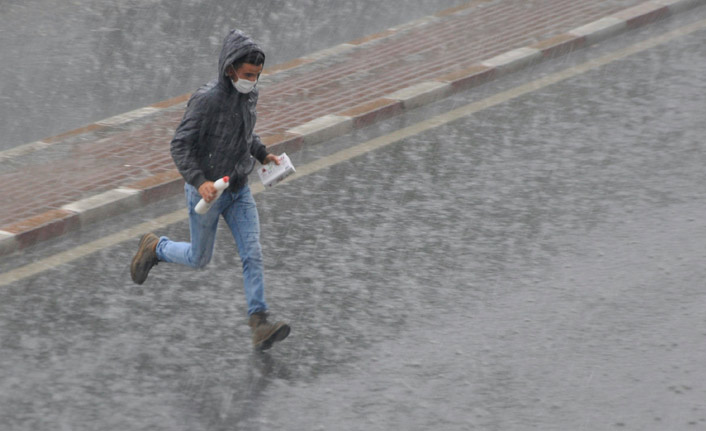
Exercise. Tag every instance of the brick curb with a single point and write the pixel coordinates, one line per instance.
(72, 216)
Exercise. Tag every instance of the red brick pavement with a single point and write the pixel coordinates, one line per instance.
(448, 47)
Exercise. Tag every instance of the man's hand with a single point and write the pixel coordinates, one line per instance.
(271, 158)
(207, 191)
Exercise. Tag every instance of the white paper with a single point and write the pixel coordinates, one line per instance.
(271, 174)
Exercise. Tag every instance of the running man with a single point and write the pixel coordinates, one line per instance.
(216, 139)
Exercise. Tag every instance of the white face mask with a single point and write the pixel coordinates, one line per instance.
(243, 85)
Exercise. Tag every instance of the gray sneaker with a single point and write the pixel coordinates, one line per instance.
(145, 258)
(264, 334)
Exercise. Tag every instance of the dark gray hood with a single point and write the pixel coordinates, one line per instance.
(235, 45)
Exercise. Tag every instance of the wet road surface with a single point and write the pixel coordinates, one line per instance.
(535, 265)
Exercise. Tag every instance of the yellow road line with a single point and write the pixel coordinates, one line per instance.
(350, 153)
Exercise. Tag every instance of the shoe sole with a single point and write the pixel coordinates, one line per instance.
(280, 334)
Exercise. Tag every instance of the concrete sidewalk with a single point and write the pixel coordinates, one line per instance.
(123, 162)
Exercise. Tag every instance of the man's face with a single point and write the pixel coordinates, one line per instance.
(246, 71)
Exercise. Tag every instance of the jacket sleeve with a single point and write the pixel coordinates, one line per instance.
(258, 149)
(184, 146)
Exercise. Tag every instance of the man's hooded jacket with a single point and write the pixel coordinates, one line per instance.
(215, 137)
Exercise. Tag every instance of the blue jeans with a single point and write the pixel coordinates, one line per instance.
(240, 213)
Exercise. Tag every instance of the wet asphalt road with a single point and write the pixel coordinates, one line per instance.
(536, 265)
(68, 64)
